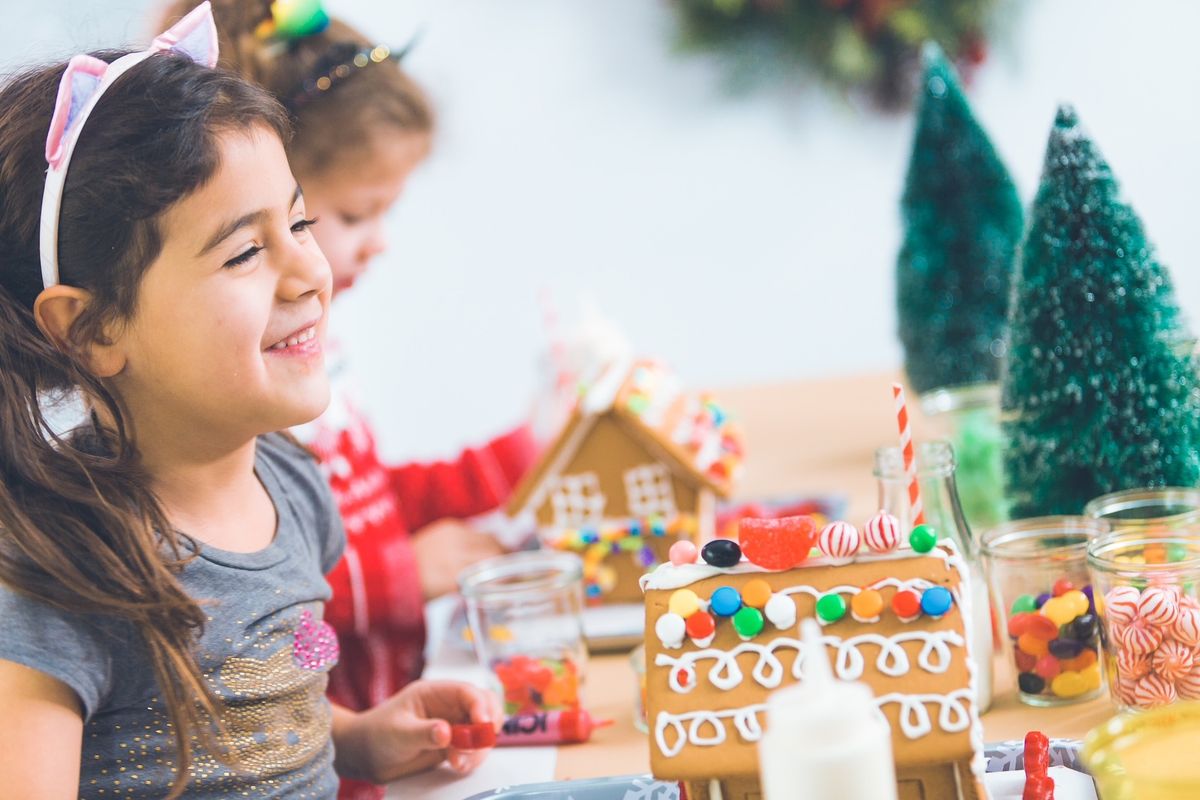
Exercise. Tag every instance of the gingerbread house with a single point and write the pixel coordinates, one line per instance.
(893, 621)
(637, 466)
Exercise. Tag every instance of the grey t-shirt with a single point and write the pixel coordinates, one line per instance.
(265, 650)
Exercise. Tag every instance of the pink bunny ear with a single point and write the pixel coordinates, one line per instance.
(194, 36)
(78, 85)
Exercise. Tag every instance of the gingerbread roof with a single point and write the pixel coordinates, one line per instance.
(706, 697)
(690, 432)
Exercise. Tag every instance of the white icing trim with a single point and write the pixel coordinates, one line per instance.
(955, 714)
(603, 393)
(768, 670)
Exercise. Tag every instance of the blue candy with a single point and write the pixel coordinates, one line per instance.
(936, 601)
(725, 601)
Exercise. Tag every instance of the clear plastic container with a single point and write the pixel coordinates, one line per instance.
(1172, 510)
(1146, 591)
(524, 611)
(1146, 756)
(1038, 575)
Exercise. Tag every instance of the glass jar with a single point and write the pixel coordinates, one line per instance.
(1173, 510)
(524, 611)
(1145, 588)
(968, 416)
(934, 462)
(1037, 571)
(1146, 756)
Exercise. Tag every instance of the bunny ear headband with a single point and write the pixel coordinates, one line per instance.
(83, 84)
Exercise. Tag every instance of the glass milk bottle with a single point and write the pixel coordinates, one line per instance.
(943, 512)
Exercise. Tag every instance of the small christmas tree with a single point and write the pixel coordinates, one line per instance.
(1101, 392)
(962, 222)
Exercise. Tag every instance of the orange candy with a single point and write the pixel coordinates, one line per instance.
(1155, 553)
(867, 604)
(1033, 645)
(1080, 662)
(756, 593)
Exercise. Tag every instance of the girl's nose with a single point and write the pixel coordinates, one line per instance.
(305, 271)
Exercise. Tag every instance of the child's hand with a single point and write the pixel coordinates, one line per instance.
(410, 731)
(444, 549)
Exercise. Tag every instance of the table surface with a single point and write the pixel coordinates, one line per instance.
(813, 436)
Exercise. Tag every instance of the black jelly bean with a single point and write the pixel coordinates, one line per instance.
(1065, 648)
(721, 553)
(1084, 627)
(1031, 683)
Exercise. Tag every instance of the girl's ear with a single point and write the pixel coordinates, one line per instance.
(55, 310)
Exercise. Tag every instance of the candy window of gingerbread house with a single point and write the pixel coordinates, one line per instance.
(577, 500)
(649, 492)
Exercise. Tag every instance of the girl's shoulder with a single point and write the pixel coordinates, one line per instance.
(292, 476)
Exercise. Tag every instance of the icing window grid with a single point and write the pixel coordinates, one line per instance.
(577, 500)
(649, 492)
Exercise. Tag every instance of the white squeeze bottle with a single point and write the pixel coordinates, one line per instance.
(825, 738)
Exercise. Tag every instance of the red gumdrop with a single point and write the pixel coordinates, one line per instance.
(474, 736)
(777, 543)
(700, 625)
(1043, 628)
(1048, 667)
(1061, 587)
(1037, 753)
(1018, 624)
(1038, 787)
(1025, 661)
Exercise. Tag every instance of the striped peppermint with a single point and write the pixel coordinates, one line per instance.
(882, 533)
(839, 540)
(1121, 604)
(1186, 627)
(1153, 690)
(1188, 684)
(1158, 606)
(1139, 638)
(1173, 659)
(1131, 666)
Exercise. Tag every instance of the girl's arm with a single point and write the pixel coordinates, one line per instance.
(41, 735)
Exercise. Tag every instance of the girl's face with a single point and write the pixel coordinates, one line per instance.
(352, 198)
(228, 333)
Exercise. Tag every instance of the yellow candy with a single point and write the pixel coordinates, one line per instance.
(1091, 676)
(683, 602)
(500, 633)
(606, 578)
(1098, 601)
(596, 553)
(1059, 610)
(1077, 601)
(1069, 684)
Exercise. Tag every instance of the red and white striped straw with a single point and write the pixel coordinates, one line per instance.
(906, 448)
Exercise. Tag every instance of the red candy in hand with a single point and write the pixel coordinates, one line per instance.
(475, 736)
(777, 543)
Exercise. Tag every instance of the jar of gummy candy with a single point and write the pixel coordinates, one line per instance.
(1146, 592)
(1037, 572)
(1171, 510)
(1146, 756)
(524, 612)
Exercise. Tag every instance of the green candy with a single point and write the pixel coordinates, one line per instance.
(1024, 604)
(1176, 552)
(922, 538)
(831, 607)
(748, 622)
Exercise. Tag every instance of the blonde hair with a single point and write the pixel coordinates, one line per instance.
(345, 118)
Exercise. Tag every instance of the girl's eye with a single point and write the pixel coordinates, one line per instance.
(304, 225)
(242, 258)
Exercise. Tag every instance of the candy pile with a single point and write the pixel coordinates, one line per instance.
(1056, 642)
(1153, 638)
(537, 684)
(635, 537)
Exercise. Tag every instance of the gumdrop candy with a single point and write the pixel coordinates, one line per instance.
(777, 544)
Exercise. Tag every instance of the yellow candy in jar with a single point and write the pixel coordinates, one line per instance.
(1091, 676)
(1069, 684)
(1076, 600)
(683, 602)
(1059, 610)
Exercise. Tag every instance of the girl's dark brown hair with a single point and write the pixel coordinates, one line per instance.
(79, 528)
(339, 121)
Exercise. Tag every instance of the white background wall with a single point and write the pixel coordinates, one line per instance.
(742, 239)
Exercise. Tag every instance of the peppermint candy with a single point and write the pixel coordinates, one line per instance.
(1121, 604)
(1123, 689)
(1172, 659)
(839, 540)
(1131, 666)
(1158, 606)
(1186, 627)
(1138, 637)
(1153, 690)
(1187, 685)
(882, 533)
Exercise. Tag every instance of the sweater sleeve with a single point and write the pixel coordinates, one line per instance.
(479, 480)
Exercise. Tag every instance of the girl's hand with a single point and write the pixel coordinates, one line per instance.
(444, 549)
(410, 731)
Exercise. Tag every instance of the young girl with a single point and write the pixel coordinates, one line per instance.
(161, 569)
(362, 127)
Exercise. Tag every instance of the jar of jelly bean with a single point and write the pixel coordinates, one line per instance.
(1038, 576)
(524, 612)
(1170, 511)
(1146, 592)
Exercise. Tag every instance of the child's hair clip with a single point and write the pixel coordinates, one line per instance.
(341, 61)
(293, 19)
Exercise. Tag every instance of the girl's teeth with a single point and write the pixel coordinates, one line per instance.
(300, 338)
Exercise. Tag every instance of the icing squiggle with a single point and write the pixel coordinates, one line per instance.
(954, 716)
(768, 670)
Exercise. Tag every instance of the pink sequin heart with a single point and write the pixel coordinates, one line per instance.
(315, 646)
